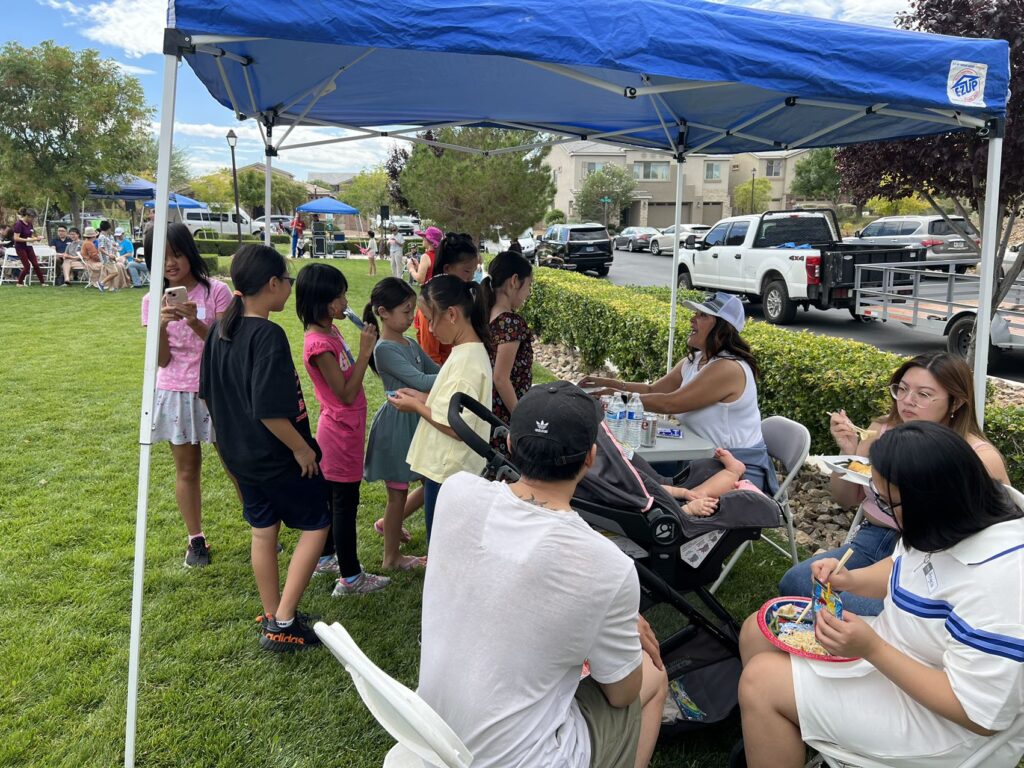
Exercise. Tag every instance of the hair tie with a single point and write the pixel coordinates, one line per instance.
(237, 293)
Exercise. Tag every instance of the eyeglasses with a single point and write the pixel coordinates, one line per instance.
(886, 507)
(289, 278)
(901, 392)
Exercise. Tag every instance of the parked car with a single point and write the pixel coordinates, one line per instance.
(930, 232)
(526, 240)
(635, 238)
(579, 247)
(211, 223)
(1010, 256)
(407, 225)
(279, 224)
(663, 242)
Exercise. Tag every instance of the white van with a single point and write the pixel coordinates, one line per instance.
(213, 223)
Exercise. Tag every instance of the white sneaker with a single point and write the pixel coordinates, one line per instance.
(366, 583)
(327, 564)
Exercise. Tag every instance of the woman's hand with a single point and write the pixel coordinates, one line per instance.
(169, 313)
(823, 571)
(849, 636)
(187, 310)
(408, 400)
(305, 457)
(599, 381)
(702, 507)
(367, 340)
(845, 435)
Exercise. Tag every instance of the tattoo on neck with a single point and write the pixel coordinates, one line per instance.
(534, 500)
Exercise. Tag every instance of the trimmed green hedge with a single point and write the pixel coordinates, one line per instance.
(803, 376)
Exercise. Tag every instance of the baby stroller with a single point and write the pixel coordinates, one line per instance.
(676, 556)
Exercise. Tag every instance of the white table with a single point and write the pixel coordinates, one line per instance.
(684, 448)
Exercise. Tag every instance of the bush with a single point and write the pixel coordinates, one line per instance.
(219, 247)
(554, 216)
(803, 376)
(213, 264)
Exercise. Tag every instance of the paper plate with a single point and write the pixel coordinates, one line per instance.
(838, 464)
(764, 617)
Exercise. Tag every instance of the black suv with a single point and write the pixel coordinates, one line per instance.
(580, 247)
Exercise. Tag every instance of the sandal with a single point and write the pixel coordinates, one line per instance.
(379, 528)
(414, 564)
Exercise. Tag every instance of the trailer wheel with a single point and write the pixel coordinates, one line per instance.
(859, 318)
(778, 308)
(959, 340)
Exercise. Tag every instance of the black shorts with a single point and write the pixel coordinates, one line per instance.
(301, 503)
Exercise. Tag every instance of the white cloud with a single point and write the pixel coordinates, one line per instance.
(134, 26)
(879, 13)
(131, 69)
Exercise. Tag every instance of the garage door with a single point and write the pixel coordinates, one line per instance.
(711, 213)
(662, 215)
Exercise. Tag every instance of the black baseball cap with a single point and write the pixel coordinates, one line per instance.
(555, 423)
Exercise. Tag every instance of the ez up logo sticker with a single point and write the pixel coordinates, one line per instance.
(966, 83)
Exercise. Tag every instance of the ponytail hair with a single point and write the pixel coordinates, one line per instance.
(503, 267)
(446, 291)
(454, 248)
(387, 294)
(252, 267)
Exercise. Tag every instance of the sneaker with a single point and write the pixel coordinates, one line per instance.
(366, 583)
(327, 564)
(297, 636)
(198, 554)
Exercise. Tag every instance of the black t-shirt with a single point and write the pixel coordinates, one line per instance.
(60, 246)
(249, 378)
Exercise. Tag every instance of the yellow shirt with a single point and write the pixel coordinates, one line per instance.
(432, 453)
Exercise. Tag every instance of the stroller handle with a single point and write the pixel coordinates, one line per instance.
(496, 463)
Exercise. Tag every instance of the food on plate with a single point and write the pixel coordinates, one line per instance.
(801, 637)
(860, 468)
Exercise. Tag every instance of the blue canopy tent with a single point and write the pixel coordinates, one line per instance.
(126, 187)
(758, 80)
(328, 206)
(178, 201)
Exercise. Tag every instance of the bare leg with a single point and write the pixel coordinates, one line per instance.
(752, 642)
(188, 464)
(393, 516)
(771, 731)
(413, 501)
(300, 569)
(653, 691)
(264, 567)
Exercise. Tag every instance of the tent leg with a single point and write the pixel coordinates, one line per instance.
(163, 175)
(266, 193)
(675, 261)
(989, 238)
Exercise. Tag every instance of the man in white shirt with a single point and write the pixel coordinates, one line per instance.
(520, 592)
(396, 244)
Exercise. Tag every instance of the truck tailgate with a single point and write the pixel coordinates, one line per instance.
(838, 264)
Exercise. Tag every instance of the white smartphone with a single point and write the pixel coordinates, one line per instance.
(176, 295)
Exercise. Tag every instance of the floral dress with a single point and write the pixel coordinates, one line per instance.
(506, 328)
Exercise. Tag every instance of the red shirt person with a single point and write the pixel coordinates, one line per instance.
(24, 236)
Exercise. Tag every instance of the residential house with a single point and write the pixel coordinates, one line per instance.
(779, 167)
(705, 182)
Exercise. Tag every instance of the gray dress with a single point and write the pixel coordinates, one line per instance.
(399, 365)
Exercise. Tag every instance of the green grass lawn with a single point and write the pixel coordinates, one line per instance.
(209, 696)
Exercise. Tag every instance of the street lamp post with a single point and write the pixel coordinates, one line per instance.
(753, 173)
(232, 141)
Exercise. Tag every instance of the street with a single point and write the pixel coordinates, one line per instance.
(644, 269)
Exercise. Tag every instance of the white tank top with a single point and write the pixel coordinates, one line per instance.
(725, 425)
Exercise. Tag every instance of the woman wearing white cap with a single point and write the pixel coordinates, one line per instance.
(713, 390)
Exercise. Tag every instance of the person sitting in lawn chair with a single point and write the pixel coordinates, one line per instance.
(522, 599)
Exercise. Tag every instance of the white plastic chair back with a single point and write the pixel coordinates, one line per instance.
(410, 720)
(1015, 495)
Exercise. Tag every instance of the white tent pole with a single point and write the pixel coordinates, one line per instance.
(678, 220)
(163, 175)
(989, 237)
(266, 189)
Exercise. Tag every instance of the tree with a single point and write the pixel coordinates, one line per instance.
(762, 196)
(815, 176)
(477, 194)
(180, 172)
(613, 183)
(68, 118)
(554, 216)
(368, 191)
(398, 156)
(215, 189)
(904, 206)
(952, 165)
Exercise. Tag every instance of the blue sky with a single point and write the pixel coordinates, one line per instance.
(131, 32)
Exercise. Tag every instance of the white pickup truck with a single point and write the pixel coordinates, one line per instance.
(783, 260)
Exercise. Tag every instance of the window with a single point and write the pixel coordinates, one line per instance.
(717, 235)
(738, 233)
(890, 229)
(712, 171)
(654, 170)
(940, 227)
(874, 229)
(589, 168)
(773, 168)
(909, 227)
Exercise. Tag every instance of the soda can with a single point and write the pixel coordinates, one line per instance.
(649, 431)
(606, 400)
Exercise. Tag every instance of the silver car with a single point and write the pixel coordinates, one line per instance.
(930, 232)
(663, 243)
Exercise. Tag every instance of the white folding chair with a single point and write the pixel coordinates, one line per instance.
(9, 264)
(788, 442)
(836, 757)
(424, 739)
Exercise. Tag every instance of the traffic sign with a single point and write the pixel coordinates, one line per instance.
(606, 199)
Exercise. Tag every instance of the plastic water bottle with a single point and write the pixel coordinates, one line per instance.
(616, 418)
(634, 420)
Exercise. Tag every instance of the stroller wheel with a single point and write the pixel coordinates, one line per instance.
(737, 756)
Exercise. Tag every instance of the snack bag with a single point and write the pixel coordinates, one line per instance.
(825, 599)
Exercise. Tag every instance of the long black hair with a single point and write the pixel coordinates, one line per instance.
(723, 339)
(315, 288)
(252, 267)
(946, 494)
(454, 248)
(446, 291)
(180, 240)
(503, 267)
(387, 294)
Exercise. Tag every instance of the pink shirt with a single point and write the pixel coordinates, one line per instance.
(181, 374)
(341, 430)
